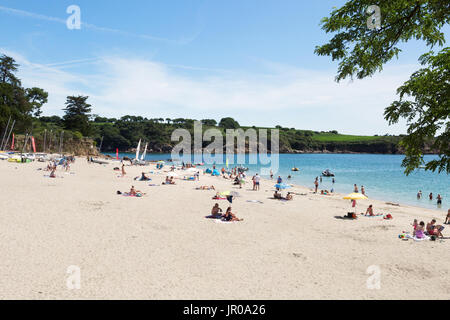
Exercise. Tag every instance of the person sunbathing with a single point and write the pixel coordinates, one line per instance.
(434, 230)
(229, 216)
(277, 195)
(205, 188)
(53, 174)
(369, 211)
(134, 192)
(144, 177)
(289, 196)
(216, 212)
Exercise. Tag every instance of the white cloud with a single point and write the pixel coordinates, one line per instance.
(90, 26)
(283, 95)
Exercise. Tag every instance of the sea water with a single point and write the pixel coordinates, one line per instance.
(381, 175)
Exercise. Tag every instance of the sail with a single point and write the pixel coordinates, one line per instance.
(137, 149)
(145, 152)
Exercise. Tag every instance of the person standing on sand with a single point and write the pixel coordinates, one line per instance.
(447, 219)
(256, 180)
(254, 183)
(316, 185)
(123, 170)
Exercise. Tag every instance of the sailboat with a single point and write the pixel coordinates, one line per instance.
(137, 150)
(142, 162)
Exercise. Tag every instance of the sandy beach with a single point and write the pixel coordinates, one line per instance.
(161, 246)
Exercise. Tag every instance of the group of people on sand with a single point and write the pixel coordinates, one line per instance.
(216, 213)
(256, 181)
(277, 195)
(322, 192)
(169, 180)
(430, 197)
(420, 231)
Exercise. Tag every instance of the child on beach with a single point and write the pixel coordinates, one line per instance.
(419, 233)
(414, 224)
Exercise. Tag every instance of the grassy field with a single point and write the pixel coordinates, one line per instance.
(328, 137)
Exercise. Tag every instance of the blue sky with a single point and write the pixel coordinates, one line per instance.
(252, 60)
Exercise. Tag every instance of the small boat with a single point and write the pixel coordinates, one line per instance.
(327, 173)
(295, 169)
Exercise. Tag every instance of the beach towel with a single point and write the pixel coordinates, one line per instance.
(137, 195)
(408, 236)
(216, 198)
(225, 222)
(255, 201)
(213, 217)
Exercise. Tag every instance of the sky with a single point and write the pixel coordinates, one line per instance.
(252, 60)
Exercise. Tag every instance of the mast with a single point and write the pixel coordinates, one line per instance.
(6, 130)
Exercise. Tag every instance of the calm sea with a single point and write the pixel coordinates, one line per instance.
(381, 175)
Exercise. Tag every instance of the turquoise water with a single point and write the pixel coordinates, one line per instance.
(381, 175)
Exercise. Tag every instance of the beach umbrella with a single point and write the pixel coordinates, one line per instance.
(282, 186)
(355, 196)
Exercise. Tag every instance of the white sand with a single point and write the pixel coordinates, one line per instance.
(161, 246)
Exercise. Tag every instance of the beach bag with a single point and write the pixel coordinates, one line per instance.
(388, 216)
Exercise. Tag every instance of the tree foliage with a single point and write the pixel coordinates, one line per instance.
(77, 114)
(362, 51)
